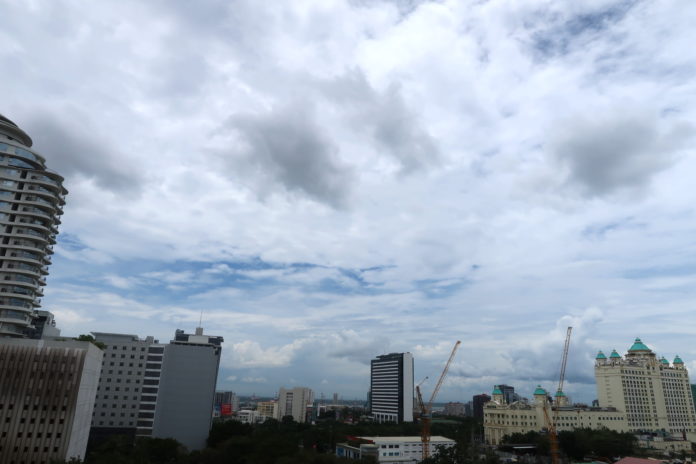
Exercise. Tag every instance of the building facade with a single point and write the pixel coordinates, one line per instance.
(47, 391)
(477, 403)
(501, 418)
(396, 450)
(391, 388)
(225, 403)
(638, 392)
(267, 409)
(508, 393)
(121, 389)
(296, 402)
(31, 202)
(455, 409)
(153, 389)
(186, 389)
(654, 394)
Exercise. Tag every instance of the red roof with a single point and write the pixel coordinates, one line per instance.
(638, 461)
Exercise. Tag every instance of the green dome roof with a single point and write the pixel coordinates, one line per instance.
(677, 360)
(560, 393)
(539, 391)
(638, 345)
(614, 354)
(664, 360)
(601, 355)
(497, 391)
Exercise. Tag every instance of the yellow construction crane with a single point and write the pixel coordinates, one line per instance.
(426, 409)
(552, 420)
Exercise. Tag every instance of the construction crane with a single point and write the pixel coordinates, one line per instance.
(552, 420)
(426, 409)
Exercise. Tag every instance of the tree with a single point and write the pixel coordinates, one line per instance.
(92, 340)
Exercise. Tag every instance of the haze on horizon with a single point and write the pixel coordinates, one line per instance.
(332, 180)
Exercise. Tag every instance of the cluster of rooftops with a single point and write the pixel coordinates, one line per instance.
(637, 347)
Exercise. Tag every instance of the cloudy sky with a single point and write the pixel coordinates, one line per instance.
(329, 180)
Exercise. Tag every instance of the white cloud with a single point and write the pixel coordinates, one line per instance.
(492, 193)
(254, 380)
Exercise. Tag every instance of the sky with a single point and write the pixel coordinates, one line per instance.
(324, 181)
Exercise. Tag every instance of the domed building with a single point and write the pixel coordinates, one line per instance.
(654, 394)
(636, 392)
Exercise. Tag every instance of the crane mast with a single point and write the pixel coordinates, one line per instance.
(552, 420)
(426, 409)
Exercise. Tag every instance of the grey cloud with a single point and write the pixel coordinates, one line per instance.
(355, 348)
(615, 151)
(561, 32)
(287, 148)
(72, 150)
(386, 119)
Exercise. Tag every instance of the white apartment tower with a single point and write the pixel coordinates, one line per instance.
(654, 394)
(31, 201)
(391, 388)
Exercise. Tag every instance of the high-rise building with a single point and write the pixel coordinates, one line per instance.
(267, 409)
(47, 390)
(654, 394)
(225, 403)
(121, 388)
(160, 390)
(508, 393)
(296, 402)
(477, 403)
(47, 384)
(31, 201)
(391, 388)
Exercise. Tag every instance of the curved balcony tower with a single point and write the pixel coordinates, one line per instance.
(31, 202)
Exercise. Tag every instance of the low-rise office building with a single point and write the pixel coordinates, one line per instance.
(267, 409)
(296, 402)
(396, 450)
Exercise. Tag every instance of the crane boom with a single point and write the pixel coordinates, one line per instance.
(564, 360)
(426, 409)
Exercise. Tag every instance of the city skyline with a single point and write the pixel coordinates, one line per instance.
(324, 182)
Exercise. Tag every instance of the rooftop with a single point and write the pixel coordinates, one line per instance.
(13, 130)
(638, 345)
(415, 439)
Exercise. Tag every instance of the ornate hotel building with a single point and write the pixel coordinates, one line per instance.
(636, 392)
(31, 201)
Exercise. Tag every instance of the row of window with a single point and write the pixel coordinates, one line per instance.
(41, 420)
(23, 420)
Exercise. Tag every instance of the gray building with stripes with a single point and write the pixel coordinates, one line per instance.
(391, 388)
